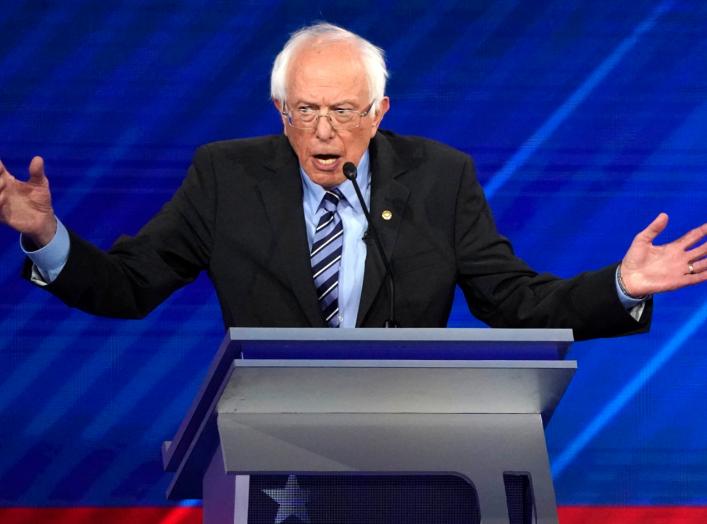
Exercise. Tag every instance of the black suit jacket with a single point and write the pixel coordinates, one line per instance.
(238, 215)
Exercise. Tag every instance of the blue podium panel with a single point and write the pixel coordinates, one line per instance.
(401, 344)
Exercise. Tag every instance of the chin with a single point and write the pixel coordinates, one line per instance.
(327, 180)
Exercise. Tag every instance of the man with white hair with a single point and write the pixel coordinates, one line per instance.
(283, 237)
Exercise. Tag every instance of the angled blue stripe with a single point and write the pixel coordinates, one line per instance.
(126, 399)
(24, 311)
(25, 374)
(72, 199)
(161, 429)
(65, 70)
(612, 408)
(502, 176)
(36, 37)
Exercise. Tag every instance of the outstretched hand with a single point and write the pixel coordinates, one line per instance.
(648, 269)
(27, 206)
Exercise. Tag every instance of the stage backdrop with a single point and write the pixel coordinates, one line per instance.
(585, 120)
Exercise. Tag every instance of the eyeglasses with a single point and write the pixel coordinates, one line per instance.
(307, 117)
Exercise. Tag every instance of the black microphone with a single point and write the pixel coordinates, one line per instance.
(351, 173)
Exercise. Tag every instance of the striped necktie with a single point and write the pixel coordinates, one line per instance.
(326, 257)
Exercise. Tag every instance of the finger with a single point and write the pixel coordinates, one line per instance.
(695, 278)
(36, 171)
(692, 237)
(4, 177)
(654, 229)
(694, 254)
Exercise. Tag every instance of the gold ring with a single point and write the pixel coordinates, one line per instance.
(691, 269)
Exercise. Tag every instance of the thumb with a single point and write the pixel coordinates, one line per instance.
(655, 228)
(36, 171)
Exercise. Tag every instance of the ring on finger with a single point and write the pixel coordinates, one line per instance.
(691, 269)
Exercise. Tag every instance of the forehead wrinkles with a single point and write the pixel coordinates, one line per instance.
(330, 69)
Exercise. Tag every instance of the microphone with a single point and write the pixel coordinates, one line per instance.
(350, 172)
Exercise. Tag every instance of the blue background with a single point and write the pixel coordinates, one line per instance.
(585, 120)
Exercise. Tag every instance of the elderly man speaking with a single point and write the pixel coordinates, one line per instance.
(285, 240)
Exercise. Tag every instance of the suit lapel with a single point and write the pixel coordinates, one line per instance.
(282, 198)
(387, 194)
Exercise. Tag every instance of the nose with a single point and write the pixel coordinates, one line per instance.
(324, 129)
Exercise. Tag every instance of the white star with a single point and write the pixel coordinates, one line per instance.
(292, 501)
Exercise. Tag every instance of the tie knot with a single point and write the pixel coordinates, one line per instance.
(331, 199)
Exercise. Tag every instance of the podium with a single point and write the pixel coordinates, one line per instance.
(467, 402)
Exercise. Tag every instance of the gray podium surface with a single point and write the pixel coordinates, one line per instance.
(474, 418)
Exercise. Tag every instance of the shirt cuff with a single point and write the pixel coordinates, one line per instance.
(48, 261)
(634, 306)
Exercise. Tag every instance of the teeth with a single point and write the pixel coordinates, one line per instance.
(326, 161)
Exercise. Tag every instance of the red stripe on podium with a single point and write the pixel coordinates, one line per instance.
(144, 515)
(131, 515)
(632, 514)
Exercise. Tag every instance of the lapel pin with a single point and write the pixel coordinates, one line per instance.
(387, 214)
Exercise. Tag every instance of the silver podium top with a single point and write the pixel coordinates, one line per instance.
(395, 386)
(400, 343)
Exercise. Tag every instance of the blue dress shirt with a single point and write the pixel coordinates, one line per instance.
(49, 260)
(353, 256)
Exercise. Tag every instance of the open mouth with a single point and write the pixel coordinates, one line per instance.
(326, 160)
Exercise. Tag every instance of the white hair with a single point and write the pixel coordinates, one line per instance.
(373, 59)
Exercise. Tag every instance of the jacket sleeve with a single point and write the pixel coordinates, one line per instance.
(503, 291)
(140, 272)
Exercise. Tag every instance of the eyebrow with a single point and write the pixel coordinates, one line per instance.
(336, 104)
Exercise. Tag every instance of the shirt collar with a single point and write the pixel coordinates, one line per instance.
(313, 193)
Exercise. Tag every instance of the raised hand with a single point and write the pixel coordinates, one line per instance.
(27, 206)
(648, 269)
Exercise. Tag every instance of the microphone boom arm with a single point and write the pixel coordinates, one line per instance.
(350, 173)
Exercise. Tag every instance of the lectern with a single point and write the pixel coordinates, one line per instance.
(467, 402)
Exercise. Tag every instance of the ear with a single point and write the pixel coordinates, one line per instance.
(279, 106)
(383, 107)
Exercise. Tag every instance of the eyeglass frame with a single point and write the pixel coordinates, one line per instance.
(361, 114)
